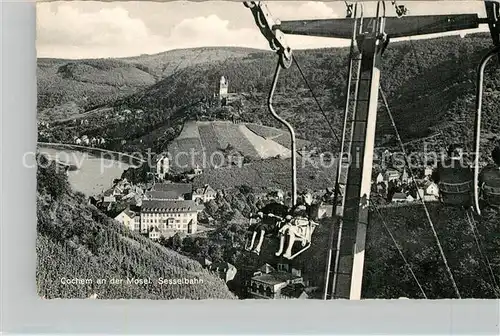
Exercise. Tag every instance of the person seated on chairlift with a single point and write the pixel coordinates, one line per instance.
(269, 219)
(304, 207)
(301, 215)
(454, 178)
(489, 181)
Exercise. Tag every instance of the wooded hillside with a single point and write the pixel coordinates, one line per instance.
(430, 86)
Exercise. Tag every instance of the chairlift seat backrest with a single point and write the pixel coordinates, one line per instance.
(300, 221)
(455, 182)
(455, 188)
(491, 185)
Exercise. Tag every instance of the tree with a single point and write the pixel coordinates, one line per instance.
(51, 177)
(177, 242)
(212, 208)
(245, 189)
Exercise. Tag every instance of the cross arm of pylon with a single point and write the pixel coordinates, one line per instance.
(269, 28)
(493, 20)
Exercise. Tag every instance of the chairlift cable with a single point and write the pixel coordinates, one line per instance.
(398, 248)
(316, 100)
(414, 53)
(438, 242)
(486, 260)
(470, 217)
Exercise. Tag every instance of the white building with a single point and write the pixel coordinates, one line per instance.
(428, 171)
(402, 198)
(429, 191)
(392, 175)
(154, 233)
(162, 167)
(204, 194)
(85, 139)
(267, 283)
(169, 216)
(129, 219)
(223, 88)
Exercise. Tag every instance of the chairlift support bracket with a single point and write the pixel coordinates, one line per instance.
(269, 27)
(276, 39)
(493, 21)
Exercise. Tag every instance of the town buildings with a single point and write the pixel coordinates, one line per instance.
(162, 167)
(169, 216)
(166, 209)
(204, 194)
(170, 191)
(428, 191)
(129, 219)
(269, 283)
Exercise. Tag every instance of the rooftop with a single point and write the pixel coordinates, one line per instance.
(427, 184)
(266, 268)
(399, 196)
(275, 278)
(221, 266)
(169, 206)
(179, 188)
(293, 290)
(162, 195)
(129, 213)
(205, 189)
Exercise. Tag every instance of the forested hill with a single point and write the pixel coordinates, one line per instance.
(430, 86)
(77, 241)
(67, 88)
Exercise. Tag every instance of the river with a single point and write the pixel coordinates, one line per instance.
(94, 174)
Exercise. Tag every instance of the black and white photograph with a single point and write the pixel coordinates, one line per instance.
(286, 150)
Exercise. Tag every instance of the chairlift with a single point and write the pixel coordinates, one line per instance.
(295, 229)
(372, 41)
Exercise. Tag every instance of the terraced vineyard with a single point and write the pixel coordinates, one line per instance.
(212, 140)
(187, 153)
(264, 131)
(208, 138)
(280, 136)
(76, 240)
(229, 134)
(285, 141)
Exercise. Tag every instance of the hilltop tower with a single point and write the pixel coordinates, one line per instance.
(223, 90)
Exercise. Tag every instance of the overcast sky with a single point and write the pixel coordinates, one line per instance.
(93, 29)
